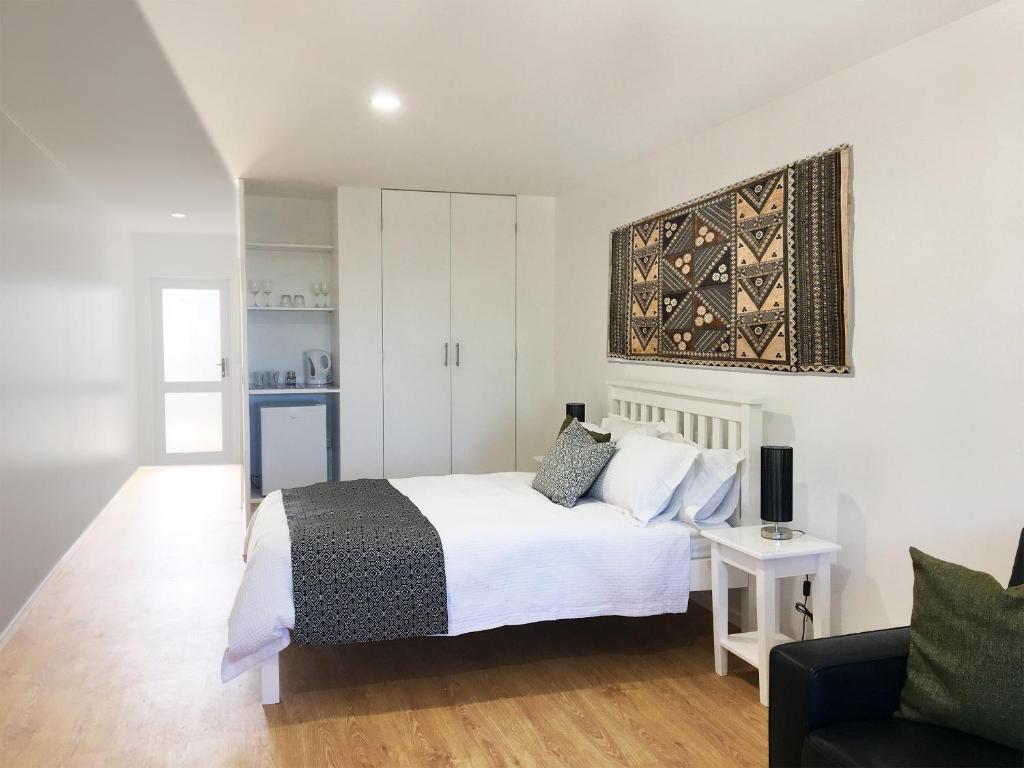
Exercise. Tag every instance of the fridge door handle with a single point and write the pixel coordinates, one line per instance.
(446, 354)
(457, 362)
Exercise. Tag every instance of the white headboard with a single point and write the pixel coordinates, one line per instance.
(711, 420)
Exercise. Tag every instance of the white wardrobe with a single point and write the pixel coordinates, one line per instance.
(448, 284)
(445, 315)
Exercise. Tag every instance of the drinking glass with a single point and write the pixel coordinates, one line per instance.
(268, 286)
(325, 289)
(316, 294)
(286, 300)
(254, 289)
(298, 300)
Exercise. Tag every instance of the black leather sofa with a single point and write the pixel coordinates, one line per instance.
(831, 703)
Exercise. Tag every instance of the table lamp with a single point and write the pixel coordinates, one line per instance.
(776, 491)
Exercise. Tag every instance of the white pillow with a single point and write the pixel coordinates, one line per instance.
(619, 427)
(665, 433)
(642, 475)
(712, 515)
(710, 492)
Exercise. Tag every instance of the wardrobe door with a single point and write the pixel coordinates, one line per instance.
(416, 333)
(483, 280)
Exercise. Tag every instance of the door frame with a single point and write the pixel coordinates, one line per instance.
(224, 385)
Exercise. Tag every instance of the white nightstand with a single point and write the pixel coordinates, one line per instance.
(766, 560)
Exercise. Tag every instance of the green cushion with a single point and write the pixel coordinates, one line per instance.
(599, 437)
(966, 663)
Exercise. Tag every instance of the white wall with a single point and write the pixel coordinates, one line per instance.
(537, 412)
(923, 444)
(68, 434)
(197, 257)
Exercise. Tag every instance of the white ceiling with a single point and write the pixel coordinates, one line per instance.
(157, 105)
(89, 82)
(528, 96)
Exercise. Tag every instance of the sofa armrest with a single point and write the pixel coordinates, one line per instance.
(832, 680)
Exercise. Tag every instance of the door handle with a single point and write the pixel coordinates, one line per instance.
(223, 367)
(456, 354)
(446, 354)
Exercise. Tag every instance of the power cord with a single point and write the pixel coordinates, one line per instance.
(802, 607)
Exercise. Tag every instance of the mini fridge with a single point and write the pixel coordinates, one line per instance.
(293, 446)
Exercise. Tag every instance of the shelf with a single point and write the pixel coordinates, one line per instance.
(290, 309)
(744, 645)
(295, 390)
(318, 247)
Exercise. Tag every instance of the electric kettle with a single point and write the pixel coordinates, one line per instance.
(316, 365)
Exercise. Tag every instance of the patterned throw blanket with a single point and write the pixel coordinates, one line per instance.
(366, 564)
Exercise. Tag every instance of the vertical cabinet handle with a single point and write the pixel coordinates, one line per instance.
(446, 354)
(456, 354)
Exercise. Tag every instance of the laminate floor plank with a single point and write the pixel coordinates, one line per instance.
(117, 663)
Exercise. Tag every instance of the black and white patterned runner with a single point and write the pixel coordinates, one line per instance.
(366, 564)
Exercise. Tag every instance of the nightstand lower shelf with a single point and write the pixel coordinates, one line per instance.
(745, 644)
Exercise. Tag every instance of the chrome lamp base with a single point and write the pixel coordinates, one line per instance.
(776, 532)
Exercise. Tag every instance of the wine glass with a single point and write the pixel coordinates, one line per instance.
(316, 294)
(268, 286)
(254, 289)
(325, 289)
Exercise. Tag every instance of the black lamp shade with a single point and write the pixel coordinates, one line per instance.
(577, 410)
(776, 483)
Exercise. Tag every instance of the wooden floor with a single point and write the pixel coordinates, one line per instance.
(117, 662)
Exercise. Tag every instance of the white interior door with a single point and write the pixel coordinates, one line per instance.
(191, 370)
(483, 267)
(415, 251)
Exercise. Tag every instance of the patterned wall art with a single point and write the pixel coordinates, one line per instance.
(755, 275)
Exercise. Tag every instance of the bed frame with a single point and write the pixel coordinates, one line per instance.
(711, 420)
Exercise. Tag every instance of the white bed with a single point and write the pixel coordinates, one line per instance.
(514, 557)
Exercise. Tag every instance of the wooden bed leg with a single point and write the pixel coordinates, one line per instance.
(270, 680)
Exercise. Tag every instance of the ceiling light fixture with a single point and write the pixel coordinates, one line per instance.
(385, 101)
(177, 215)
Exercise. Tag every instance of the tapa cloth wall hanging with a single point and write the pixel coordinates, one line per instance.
(755, 275)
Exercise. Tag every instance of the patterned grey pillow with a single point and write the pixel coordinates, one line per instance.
(572, 465)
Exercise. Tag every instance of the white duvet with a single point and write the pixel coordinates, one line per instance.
(511, 557)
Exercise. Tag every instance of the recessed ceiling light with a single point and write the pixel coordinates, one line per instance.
(385, 101)
(177, 215)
